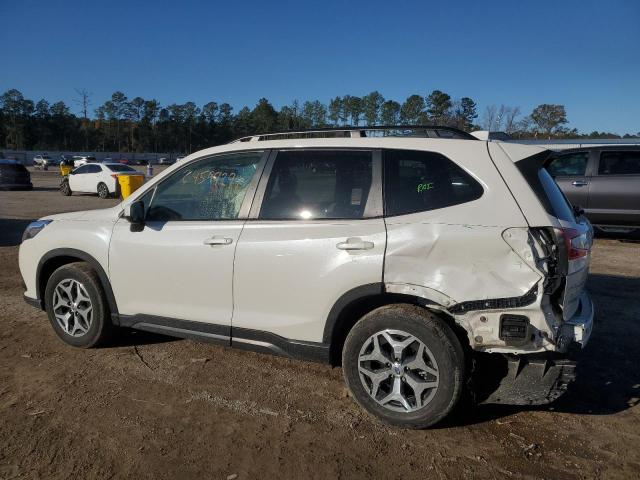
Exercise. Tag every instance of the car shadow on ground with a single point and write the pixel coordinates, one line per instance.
(127, 337)
(607, 376)
(11, 230)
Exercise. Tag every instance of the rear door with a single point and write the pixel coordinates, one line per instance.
(615, 189)
(315, 232)
(569, 170)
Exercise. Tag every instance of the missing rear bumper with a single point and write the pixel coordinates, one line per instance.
(521, 380)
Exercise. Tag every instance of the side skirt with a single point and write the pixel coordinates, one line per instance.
(243, 338)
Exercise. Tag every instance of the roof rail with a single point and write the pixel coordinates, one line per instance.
(425, 131)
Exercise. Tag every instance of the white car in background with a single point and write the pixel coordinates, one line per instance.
(43, 161)
(79, 160)
(100, 178)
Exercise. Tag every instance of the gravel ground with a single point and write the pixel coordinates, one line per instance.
(156, 407)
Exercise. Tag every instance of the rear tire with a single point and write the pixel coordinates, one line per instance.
(103, 190)
(77, 307)
(404, 365)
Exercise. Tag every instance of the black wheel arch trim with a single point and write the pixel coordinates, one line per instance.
(357, 293)
(84, 257)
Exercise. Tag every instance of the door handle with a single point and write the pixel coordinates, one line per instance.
(579, 183)
(218, 241)
(354, 243)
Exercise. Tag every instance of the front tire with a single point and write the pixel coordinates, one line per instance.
(404, 365)
(65, 189)
(103, 190)
(76, 305)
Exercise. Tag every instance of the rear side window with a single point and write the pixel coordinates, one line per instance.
(619, 163)
(545, 187)
(121, 168)
(312, 184)
(93, 169)
(574, 164)
(416, 181)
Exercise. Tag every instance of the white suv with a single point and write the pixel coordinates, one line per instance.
(403, 259)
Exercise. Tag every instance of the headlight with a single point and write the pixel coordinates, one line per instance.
(34, 228)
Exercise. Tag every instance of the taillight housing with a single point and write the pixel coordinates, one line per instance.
(575, 243)
(114, 175)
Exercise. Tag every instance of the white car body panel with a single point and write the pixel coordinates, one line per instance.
(88, 232)
(274, 289)
(166, 270)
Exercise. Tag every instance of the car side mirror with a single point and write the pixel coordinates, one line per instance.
(136, 216)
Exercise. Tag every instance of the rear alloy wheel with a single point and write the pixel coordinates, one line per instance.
(76, 306)
(404, 365)
(103, 191)
(65, 189)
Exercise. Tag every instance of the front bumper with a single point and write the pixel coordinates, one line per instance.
(576, 330)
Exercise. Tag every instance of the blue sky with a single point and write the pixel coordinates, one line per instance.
(583, 54)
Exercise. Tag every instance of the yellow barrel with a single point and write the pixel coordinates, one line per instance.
(129, 184)
(65, 170)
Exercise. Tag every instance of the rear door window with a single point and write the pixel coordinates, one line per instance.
(574, 164)
(417, 181)
(317, 184)
(619, 163)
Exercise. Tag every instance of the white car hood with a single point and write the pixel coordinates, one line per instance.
(88, 215)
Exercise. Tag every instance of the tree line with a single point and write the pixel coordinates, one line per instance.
(141, 125)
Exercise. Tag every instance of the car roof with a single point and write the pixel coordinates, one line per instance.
(617, 148)
(516, 151)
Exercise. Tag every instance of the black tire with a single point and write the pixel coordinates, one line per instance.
(103, 190)
(100, 328)
(436, 335)
(65, 189)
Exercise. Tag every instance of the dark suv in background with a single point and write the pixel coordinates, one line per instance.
(14, 176)
(604, 181)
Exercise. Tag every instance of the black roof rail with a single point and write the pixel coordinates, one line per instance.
(427, 131)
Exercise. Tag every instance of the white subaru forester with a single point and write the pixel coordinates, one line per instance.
(404, 258)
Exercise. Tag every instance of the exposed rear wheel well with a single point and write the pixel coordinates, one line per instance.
(358, 308)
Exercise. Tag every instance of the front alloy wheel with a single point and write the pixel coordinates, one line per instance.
(77, 307)
(72, 307)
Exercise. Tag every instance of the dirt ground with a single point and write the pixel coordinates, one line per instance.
(156, 407)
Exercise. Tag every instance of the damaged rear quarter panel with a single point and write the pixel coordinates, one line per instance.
(459, 251)
(461, 262)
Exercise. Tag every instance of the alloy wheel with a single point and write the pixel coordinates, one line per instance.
(72, 307)
(398, 371)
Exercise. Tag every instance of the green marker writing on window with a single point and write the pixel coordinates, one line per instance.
(423, 187)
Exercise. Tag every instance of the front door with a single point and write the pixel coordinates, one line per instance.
(180, 265)
(614, 193)
(316, 231)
